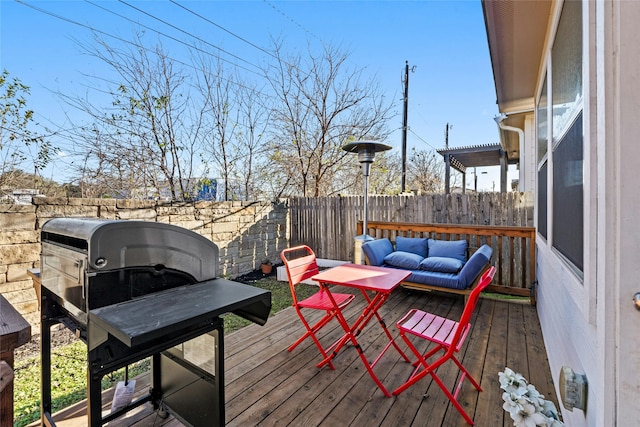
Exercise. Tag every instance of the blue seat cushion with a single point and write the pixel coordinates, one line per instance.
(402, 259)
(415, 245)
(448, 249)
(436, 278)
(441, 264)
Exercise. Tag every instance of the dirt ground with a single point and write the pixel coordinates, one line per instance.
(60, 336)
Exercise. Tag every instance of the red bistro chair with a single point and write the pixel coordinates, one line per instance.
(448, 335)
(301, 265)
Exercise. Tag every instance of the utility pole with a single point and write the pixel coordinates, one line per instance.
(446, 136)
(405, 125)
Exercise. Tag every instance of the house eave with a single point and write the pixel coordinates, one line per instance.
(516, 34)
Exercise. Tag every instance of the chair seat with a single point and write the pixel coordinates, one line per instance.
(439, 330)
(320, 301)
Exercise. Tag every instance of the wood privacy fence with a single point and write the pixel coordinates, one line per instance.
(329, 224)
(514, 248)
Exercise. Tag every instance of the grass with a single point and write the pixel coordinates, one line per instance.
(280, 298)
(68, 363)
(506, 297)
(68, 381)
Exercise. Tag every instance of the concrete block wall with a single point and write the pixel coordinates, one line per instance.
(19, 251)
(245, 232)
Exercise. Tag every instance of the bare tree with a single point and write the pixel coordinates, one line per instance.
(235, 124)
(279, 140)
(219, 145)
(252, 132)
(386, 173)
(425, 171)
(322, 105)
(143, 140)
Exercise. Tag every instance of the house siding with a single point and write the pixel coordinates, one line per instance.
(570, 339)
(589, 323)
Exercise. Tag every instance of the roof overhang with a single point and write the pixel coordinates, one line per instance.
(462, 158)
(516, 33)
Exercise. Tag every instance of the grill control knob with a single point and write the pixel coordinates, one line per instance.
(101, 262)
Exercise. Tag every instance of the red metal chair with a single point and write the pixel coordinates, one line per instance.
(448, 335)
(301, 265)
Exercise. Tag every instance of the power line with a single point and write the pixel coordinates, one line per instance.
(291, 19)
(174, 38)
(421, 139)
(96, 30)
(267, 52)
(128, 42)
(417, 111)
(224, 29)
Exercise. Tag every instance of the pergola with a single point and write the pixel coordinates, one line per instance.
(462, 158)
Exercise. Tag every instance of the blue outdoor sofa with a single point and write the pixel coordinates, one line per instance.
(440, 265)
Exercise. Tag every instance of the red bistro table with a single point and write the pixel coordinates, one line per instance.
(380, 282)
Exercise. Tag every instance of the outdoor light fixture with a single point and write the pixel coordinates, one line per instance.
(366, 155)
(573, 389)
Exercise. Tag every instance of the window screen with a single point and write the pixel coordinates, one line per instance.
(542, 200)
(568, 215)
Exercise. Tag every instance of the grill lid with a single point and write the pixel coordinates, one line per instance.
(117, 244)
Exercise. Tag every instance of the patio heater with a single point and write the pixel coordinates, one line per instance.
(366, 154)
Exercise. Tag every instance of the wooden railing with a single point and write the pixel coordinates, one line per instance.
(514, 249)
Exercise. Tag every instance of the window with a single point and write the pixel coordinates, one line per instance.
(567, 195)
(542, 200)
(542, 122)
(567, 135)
(566, 65)
(543, 138)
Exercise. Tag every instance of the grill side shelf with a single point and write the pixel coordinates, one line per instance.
(151, 317)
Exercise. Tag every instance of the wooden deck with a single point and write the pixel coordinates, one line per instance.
(266, 385)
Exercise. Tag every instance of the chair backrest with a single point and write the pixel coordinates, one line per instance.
(470, 306)
(300, 262)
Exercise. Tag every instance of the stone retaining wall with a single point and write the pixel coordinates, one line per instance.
(245, 232)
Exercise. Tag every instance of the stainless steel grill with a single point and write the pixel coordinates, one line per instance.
(136, 289)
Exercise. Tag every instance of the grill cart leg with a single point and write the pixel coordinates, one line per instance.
(94, 398)
(45, 363)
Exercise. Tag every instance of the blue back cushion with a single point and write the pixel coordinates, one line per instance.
(377, 250)
(448, 249)
(414, 245)
(402, 259)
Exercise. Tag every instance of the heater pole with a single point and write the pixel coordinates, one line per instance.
(365, 229)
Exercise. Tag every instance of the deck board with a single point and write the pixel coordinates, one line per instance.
(488, 410)
(267, 385)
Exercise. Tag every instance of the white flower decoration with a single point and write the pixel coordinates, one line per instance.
(526, 406)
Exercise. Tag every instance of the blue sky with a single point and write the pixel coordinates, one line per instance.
(445, 41)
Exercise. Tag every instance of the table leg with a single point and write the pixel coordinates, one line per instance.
(336, 346)
(369, 311)
(376, 307)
